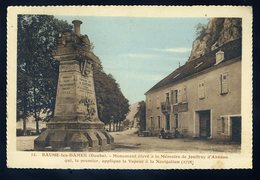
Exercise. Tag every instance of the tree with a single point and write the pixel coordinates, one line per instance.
(141, 114)
(111, 103)
(37, 71)
(200, 30)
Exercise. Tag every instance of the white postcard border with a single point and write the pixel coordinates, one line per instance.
(61, 160)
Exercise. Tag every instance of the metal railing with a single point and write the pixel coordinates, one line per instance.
(165, 107)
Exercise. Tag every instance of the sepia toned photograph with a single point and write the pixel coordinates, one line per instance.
(128, 88)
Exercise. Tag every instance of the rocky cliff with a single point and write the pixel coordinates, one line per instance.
(217, 32)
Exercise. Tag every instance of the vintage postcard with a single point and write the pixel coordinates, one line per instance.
(129, 87)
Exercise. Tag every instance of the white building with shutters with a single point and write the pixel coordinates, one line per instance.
(202, 98)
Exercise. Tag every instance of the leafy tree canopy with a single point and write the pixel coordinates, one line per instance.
(112, 105)
(37, 71)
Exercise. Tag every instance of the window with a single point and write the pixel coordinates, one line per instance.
(159, 122)
(172, 97)
(152, 123)
(168, 123)
(179, 96)
(224, 83)
(167, 98)
(184, 94)
(176, 117)
(175, 96)
(201, 90)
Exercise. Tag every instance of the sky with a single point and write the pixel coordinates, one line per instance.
(139, 51)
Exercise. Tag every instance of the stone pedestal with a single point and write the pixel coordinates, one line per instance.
(74, 136)
(76, 125)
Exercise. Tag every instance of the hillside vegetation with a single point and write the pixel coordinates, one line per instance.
(217, 32)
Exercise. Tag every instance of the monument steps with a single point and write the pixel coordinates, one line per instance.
(74, 140)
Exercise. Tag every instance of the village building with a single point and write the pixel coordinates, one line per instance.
(202, 98)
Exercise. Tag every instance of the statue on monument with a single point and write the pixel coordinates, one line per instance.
(76, 125)
(90, 109)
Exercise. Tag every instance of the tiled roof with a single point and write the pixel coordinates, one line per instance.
(231, 49)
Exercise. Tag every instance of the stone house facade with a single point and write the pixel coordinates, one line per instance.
(200, 99)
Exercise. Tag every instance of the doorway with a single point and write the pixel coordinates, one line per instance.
(167, 122)
(236, 129)
(152, 123)
(204, 124)
(176, 117)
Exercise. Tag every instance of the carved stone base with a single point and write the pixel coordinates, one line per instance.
(74, 136)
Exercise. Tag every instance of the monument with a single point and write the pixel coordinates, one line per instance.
(75, 125)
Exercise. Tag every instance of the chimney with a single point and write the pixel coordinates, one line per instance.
(77, 24)
(219, 56)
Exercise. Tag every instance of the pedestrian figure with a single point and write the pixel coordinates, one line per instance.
(162, 133)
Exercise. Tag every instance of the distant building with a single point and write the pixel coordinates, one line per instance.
(132, 115)
(202, 98)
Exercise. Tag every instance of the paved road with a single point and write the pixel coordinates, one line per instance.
(129, 141)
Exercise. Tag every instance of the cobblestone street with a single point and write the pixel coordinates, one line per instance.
(129, 141)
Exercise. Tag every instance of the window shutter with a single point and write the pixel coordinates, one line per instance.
(184, 94)
(224, 83)
(179, 96)
(220, 84)
(226, 125)
(175, 96)
(172, 97)
(201, 90)
(219, 125)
